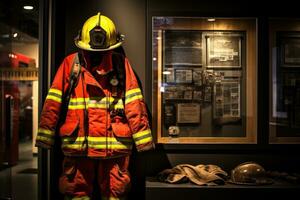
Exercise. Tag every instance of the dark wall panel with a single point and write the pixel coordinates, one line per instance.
(133, 18)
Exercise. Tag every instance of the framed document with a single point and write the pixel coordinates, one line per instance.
(183, 47)
(290, 49)
(184, 75)
(223, 50)
(188, 113)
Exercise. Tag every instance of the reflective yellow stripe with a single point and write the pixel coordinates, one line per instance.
(77, 198)
(112, 198)
(141, 134)
(132, 95)
(110, 139)
(73, 139)
(94, 102)
(45, 131)
(79, 99)
(97, 142)
(142, 137)
(55, 91)
(128, 100)
(143, 141)
(73, 146)
(132, 91)
(54, 98)
(45, 139)
(54, 94)
(110, 146)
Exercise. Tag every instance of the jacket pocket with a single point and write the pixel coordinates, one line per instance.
(69, 128)
(121, 130)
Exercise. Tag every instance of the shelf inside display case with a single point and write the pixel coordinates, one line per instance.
(204, 76)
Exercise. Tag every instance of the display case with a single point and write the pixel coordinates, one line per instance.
(204, 80)
(284, 123)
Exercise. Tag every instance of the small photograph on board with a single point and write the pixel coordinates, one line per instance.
(223, 50)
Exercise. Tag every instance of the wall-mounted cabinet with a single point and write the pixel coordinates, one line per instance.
(284, 118)
(204, 75)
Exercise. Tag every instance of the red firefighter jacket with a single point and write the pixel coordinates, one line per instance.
(103, 135)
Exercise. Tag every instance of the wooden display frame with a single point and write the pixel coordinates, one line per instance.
(246, 25)
(289, 28)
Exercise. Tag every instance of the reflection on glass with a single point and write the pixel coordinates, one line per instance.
(18, 99)
(202, 71)
(285, 79)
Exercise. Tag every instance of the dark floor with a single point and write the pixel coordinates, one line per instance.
(20, 182)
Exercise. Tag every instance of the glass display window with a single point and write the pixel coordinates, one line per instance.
(284, 118)
(204, 75)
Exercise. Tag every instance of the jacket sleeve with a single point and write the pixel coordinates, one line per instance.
(136, 112)
(51, 109)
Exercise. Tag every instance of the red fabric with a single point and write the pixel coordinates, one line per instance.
(79, 174)
(94, 87)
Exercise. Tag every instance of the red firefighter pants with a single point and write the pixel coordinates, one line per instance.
(79, 174)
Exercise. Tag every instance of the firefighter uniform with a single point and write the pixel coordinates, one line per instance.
(100, 123)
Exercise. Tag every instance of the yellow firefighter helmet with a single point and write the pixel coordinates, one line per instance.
(98, 33)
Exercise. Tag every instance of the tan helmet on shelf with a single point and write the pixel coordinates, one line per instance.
(249, 173)
(98, 33)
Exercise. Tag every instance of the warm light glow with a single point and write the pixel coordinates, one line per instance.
(166, 72)
(211, 19)
(15, 35)
(11, 55)
(154, 59)
(28, 7)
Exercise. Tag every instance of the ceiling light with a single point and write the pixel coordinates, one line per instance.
(211, 19)
(28, 7)
(15, 35)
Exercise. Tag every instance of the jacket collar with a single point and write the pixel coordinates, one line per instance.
(105, 67)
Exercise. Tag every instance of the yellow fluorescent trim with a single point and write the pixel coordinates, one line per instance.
(95, 139)
(143, 141)
(110, 146)
(79, 100)
(128, 100)
(70, 139)
(73, 146)
(55, 91)
(45, 131)
(112, 198)
(130, 92)
(42, 138)
(97, 105)
(54, 98)
(104, 139)
(141, 134)
(92, 103)
(97, 146)
(75, 107)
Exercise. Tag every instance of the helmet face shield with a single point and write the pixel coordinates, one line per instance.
(97, 38)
